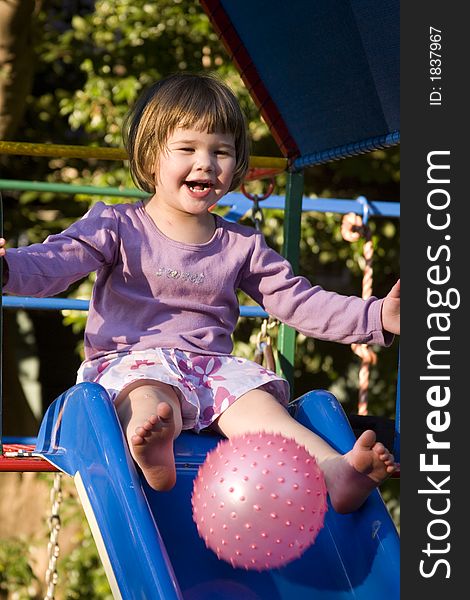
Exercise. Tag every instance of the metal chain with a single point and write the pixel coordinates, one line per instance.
(257, 211)
(53, 545)
(257, 214)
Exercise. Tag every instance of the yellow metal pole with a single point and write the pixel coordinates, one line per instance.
(90, 152)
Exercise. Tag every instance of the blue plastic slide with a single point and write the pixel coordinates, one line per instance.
(148, 541)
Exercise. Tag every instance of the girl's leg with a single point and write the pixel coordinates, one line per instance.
(150, 416)
(349, 478)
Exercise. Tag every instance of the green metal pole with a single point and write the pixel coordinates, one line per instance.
(291, 251)
(67, 188)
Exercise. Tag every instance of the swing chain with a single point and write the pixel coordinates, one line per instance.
(53, 545)
(257, 211)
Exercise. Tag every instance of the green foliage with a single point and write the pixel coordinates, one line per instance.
(99, 61)
(82, 573)
(16, 574)
(390, 492)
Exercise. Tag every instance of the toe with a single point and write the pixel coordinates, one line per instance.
(367, 439)
(137, 440)
(153, 419)
(164, 411)
(148, 426)
(141, 432)
(380, 449)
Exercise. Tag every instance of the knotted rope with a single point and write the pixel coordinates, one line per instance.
(353, 228)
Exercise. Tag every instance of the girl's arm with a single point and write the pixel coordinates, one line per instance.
(51, 267)
(269, 280)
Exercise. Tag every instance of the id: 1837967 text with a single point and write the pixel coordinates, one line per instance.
(435, 66)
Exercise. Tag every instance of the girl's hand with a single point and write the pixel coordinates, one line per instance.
(391, 310)
(2, 247)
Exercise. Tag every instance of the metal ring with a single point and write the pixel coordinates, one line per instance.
(258, 197)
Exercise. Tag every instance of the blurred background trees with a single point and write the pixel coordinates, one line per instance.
(69, 71)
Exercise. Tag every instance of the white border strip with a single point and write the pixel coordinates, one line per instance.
(95, 530)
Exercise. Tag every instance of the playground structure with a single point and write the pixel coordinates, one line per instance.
(108, 486)
(145, 556)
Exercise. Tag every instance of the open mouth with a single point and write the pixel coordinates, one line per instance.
(198, 186)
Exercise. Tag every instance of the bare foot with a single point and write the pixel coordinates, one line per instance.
(152, 448)
(351, 477)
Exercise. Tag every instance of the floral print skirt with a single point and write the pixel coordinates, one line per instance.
(206, 384)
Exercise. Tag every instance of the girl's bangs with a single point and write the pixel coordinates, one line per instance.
(207, 114)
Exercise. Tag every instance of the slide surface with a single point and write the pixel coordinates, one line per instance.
(148, 541)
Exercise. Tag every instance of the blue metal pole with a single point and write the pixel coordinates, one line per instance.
(28, 302)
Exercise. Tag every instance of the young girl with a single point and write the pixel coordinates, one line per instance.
(164, 304)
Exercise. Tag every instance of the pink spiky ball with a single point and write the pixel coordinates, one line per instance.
(259, 501)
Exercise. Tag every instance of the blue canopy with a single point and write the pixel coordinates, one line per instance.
(324, 73)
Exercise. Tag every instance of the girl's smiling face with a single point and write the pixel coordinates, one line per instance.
(195, 171)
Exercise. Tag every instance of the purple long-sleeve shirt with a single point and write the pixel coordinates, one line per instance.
(152, 291)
